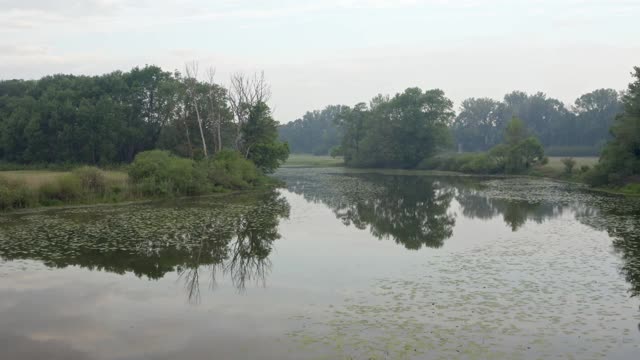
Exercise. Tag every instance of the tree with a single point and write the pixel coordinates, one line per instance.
(396, 132)
(620, 159)
(595, 113)
(478, 125)
(315, 133)
(191, 70)
(245, 93)
(260, 138)
(515, 132)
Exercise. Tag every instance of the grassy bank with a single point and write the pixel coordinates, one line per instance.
(308, 160)
(152, 175)
(555, 168)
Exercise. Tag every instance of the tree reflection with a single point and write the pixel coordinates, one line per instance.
(515, 212)
(234, 235)
(620, 218)
(411, 210)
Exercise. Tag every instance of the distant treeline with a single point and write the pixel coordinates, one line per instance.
(419, 128)
(110, 118)
(579, 130)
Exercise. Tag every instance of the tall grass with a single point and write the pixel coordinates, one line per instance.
(152, 174)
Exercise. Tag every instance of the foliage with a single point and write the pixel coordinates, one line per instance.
(474, 163)
(158, 173)
(336, 151)
(229, 170)
(620, 160)
(108, 119)
(579, 131)
(16, 195)
(92, 179)
(269, 156)
(65, 189)
(518, 154)
(396, 132)
(569, 164)
(260, 135)
(315, 133)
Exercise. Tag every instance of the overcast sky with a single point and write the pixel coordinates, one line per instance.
(316, 53)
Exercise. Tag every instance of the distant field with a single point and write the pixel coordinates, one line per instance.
(36, 178)
(306, 160)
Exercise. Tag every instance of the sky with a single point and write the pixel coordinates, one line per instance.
(316, 53)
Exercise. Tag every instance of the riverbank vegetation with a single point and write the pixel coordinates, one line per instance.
(153, 174)
(172, 133)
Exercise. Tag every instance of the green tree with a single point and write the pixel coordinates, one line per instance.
(620, 159)
(396, 132)
(478, 126)
(260, 136)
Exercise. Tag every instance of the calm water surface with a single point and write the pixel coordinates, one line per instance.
(339, 265)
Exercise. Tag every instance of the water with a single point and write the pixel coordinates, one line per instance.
(339, 265)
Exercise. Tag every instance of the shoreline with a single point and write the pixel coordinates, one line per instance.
(41, 209)
(408, 172)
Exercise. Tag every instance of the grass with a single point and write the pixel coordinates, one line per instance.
(555, 168)
(308, 160)
(34, 179)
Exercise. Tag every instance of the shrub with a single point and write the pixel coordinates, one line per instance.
(584, 168)
(92, 179)
(15, 195)
(229, 169)
(475, 163)
(67, 188)
(336, 151)
(569, 164)
(597, 176)
(158, 172)
(269, 156)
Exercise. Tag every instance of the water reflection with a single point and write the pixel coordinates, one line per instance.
(515, 212)
(411, 210)
(620, 218)
(416, 211)
(233, 235)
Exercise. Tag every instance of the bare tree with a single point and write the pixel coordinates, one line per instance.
(216, 118)
(191, 71)
(244, 93)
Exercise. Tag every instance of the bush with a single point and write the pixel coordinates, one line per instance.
(475, 163)
(269, 156)
(336, 151)
(228, 169)
(597, 176)
(158, 172)
(92, 180)
(65, 189)
(569, 164)
(584, 169)
(14, 195)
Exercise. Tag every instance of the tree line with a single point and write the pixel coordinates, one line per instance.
(110, 118)
(412, 128)
(582, 129)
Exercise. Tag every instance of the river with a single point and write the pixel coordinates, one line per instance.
(338, 264)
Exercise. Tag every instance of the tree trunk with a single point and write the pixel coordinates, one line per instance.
(219, 135)
(204, 143)
(186, 128)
